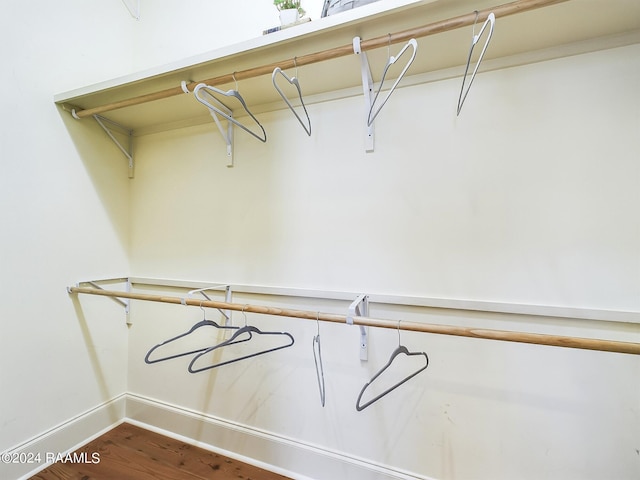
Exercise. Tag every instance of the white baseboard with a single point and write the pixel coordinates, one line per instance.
(286, 456)
(30, 457)
(263, 449)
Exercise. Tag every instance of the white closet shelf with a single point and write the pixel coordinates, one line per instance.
(551, 28)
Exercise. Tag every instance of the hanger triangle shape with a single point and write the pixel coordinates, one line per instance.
(373, 111)
(254, 332)
(398, 351)
(317, 357)
(224, 111)
(292, 81)
(200, 324)
(491, 19)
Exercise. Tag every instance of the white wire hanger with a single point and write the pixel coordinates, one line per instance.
(224, 111)
(373, 111)
(317, 357)
(401, 349)
(491, 19)
(296, 83)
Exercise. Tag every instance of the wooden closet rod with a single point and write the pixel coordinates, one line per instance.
(507, 336)
(504, 10)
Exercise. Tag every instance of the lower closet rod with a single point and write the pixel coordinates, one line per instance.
(507, 336)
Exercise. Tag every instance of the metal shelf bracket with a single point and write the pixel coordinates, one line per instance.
(125, 303)
(367, 86)
(115, 128)
(227, 298)
(128, 151)
(360, 308)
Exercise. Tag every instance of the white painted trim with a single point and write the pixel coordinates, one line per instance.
(424, 302)
(213, 448)
(64, 438)
(277, 453)
(285, 456)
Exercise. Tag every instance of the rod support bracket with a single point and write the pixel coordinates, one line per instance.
(227, 298)
(367, 87)
(124, 303)
(117, 128)
(360, 308)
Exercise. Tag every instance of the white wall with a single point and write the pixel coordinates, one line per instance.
(64, 208)
(175, 29)
(530, 196)
(64, 213)
(548, 213)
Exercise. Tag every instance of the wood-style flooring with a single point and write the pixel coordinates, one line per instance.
(131, 453)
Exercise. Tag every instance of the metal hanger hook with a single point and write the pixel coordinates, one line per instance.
(244, 314)
(475, 22)
(295, 64)
(318, 322)
(234, 79)
(399, 332)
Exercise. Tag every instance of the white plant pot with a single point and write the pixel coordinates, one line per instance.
(289, 16)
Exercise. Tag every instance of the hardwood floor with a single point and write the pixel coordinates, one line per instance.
(131, 453)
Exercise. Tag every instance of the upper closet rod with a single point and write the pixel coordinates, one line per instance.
(460, 21)
(507, 336)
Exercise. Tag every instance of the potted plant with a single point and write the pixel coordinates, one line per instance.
(290, 10)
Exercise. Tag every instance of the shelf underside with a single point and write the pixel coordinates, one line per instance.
(544, 28)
